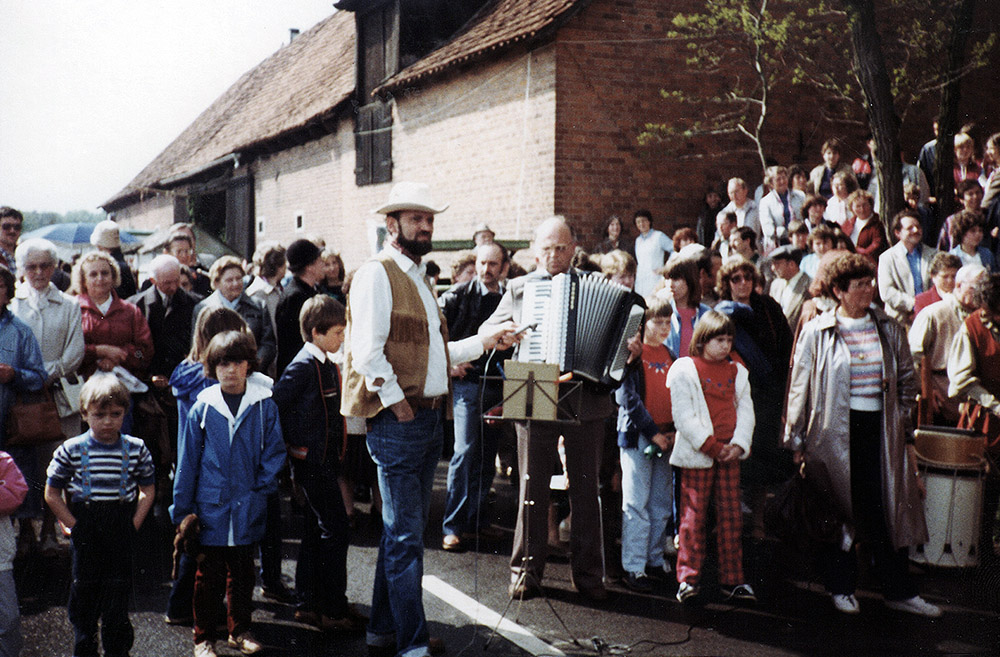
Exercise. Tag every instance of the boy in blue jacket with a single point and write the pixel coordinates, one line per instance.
(308, 399)
(229, 455)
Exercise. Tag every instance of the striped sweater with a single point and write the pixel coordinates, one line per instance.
(866, 362)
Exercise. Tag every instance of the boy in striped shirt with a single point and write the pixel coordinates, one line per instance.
(100, 486)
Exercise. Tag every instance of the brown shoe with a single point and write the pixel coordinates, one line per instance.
(352, 621)
(344, 624)
(452, 543)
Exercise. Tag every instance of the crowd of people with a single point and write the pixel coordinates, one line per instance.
(791, 331)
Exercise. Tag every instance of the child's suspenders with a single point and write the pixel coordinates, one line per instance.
(85, 470)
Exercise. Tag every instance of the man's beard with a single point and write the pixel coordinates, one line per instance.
(417, 248)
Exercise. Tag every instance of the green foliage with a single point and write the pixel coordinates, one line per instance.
(760, 47)
(752, 46)
(33, 220)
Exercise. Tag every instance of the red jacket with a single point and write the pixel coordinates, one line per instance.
(123, 326)
(871, 240)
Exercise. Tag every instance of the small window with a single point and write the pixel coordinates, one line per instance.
(261, 224)
(299, 221)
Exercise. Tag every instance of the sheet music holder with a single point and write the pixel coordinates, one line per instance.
(531, 391)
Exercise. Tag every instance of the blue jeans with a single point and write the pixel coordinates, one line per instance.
(406, 454)
(470, 473)
(647, 500)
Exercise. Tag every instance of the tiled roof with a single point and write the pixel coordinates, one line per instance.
(307, 80)
(497, 25)
(297, 85)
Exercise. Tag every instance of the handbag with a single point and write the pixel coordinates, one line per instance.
(800, 515)
(66, 392)
(33, 421)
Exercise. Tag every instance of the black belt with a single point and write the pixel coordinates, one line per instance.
(429, 403)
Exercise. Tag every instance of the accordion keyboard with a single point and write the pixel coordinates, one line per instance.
(535, 306)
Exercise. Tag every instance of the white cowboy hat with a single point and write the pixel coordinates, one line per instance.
(411, 196)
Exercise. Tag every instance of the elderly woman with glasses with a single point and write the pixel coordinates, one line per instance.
(226, 276)
(54, 319)
(849, 420)
(764, 341)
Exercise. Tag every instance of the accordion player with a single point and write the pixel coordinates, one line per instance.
(583, 324)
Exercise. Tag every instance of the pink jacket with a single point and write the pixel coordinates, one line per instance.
(13, 488)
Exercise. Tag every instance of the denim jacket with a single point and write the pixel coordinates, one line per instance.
(20, 350)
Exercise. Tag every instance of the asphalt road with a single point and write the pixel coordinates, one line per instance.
(793, 616)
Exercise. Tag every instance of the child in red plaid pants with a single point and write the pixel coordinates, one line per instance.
(713, 415)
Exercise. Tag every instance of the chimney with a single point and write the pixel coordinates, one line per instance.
(292, 33)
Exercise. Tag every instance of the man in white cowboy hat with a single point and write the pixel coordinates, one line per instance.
(396, 375)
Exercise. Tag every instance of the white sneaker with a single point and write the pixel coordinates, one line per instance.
(205, 649)
(687, 592)
(246, 643)
(915, 605)
(845, 604)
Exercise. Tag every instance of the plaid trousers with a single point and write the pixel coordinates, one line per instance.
(696, 491)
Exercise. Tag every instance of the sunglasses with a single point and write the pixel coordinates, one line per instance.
(16, 227)
(739, 278)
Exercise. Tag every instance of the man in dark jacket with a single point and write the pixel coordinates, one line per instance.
(168, 310)
(470, 473)
(307, 268)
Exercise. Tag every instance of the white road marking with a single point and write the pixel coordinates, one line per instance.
(516, 634)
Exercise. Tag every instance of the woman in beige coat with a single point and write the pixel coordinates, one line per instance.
(848, 418)
(54, 319)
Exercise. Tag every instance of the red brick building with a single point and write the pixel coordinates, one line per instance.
(512, 110)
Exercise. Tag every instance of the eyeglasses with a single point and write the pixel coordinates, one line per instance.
(11, 226)
(39, 267)
(739, 278)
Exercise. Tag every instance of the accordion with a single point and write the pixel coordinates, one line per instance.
(583, 323)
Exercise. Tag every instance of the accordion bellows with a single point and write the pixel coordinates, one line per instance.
(583, 324)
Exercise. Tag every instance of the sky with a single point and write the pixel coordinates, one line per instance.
(92, 90)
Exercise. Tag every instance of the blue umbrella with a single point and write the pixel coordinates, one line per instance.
(75, 234)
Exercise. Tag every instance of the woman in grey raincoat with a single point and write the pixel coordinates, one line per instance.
(849, 403)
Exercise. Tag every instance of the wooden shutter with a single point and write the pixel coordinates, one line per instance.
(240, 232)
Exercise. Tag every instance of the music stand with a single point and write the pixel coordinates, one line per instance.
(531, 391)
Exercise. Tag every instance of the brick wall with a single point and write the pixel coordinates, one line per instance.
(612, 61)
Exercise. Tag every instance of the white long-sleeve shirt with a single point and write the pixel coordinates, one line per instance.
(371, 304)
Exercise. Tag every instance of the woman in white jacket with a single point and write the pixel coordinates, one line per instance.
(714, 418)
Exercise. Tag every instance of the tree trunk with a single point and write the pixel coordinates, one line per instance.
(870, 69)
(944, 152)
